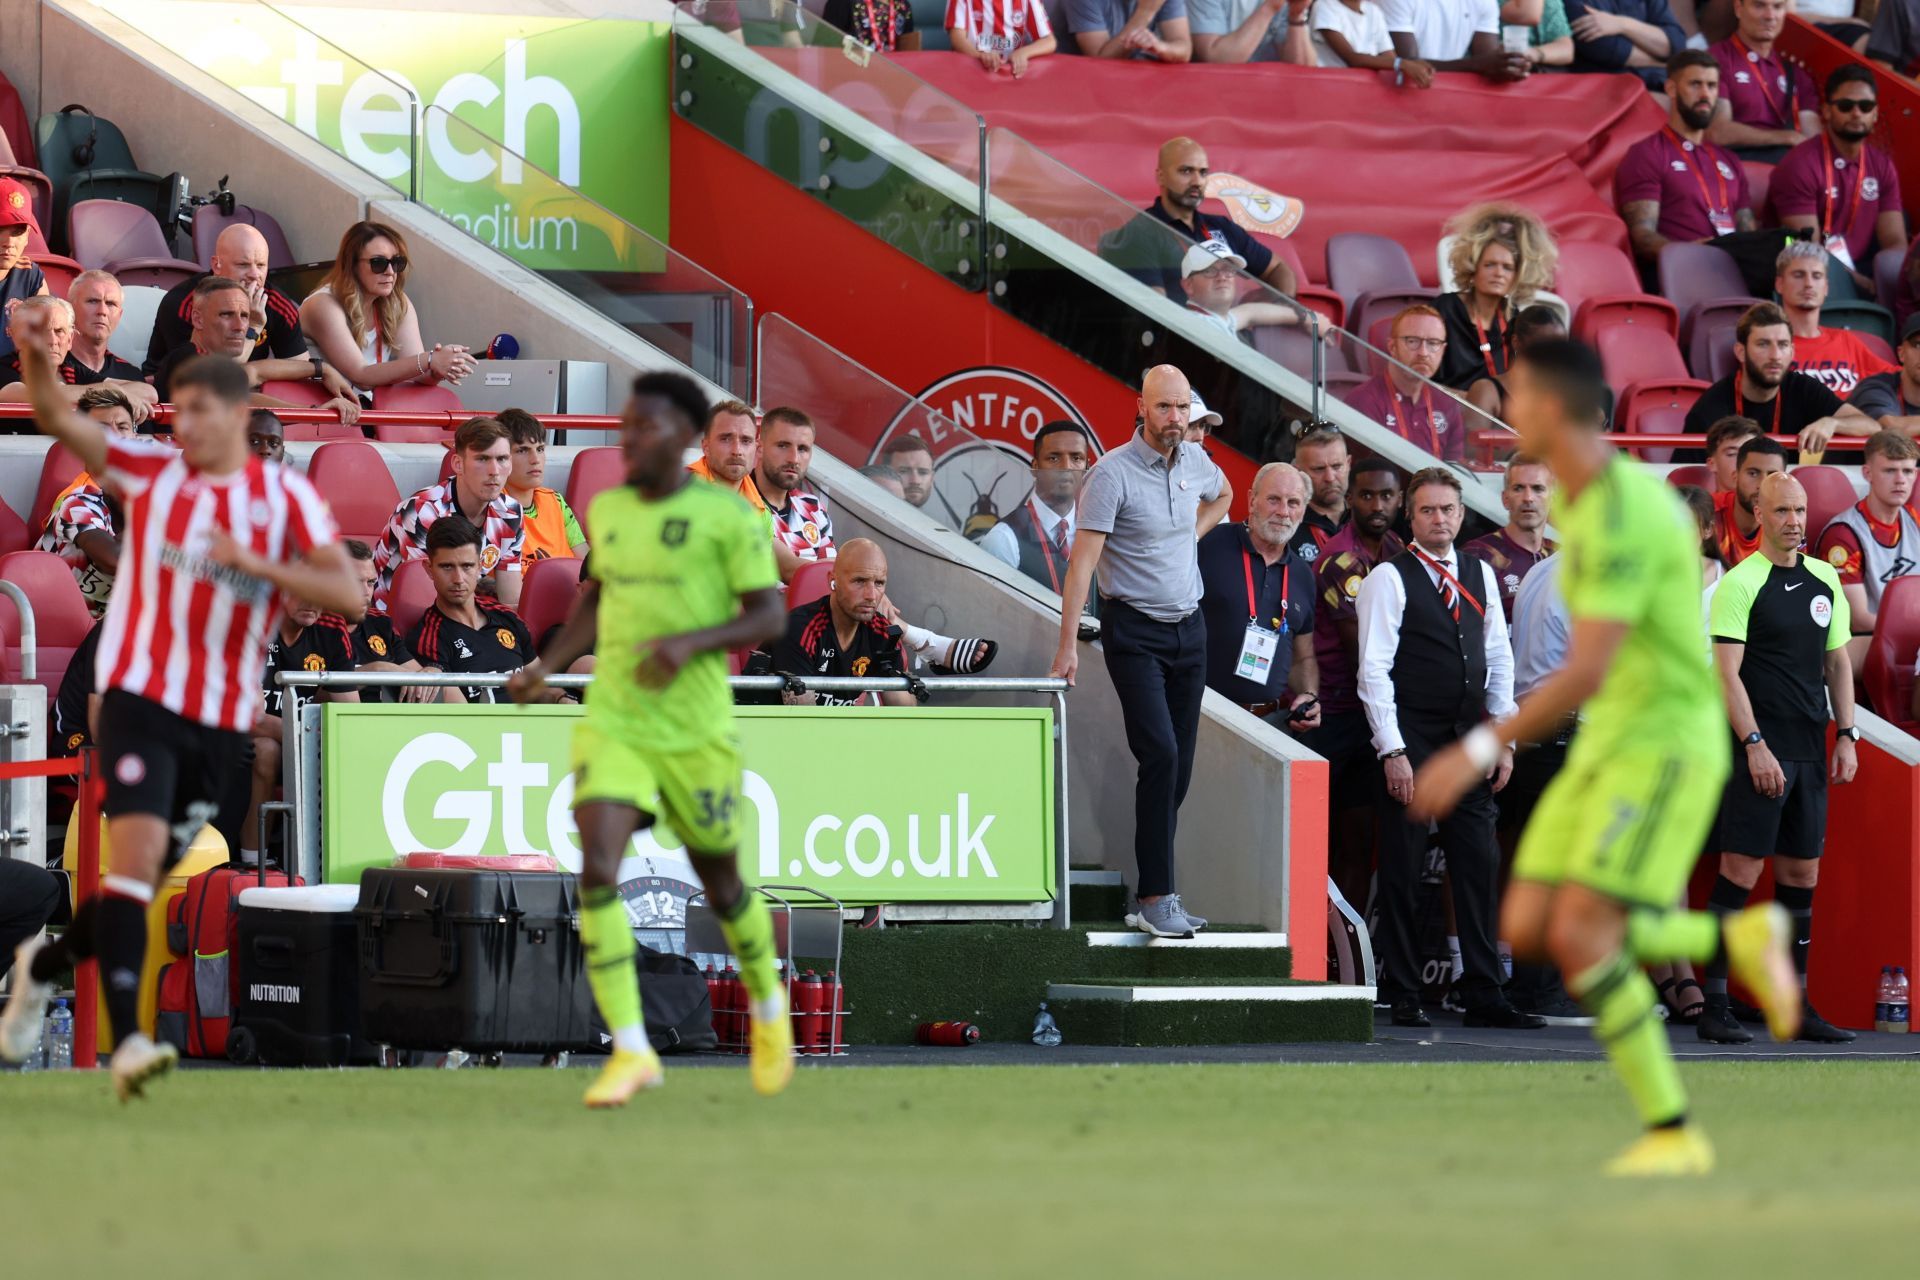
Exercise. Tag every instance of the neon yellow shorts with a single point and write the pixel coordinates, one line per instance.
(1630, 827)
(696, 792)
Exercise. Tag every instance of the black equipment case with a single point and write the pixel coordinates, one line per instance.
(298, 958)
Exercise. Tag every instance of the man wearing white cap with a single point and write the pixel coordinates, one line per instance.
(1200, 420)
(1210, 273)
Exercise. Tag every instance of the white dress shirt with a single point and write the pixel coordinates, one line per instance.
(1382, 604)
(1000, 543)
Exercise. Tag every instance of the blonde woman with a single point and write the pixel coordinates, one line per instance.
(364, 323)
(1501, 256)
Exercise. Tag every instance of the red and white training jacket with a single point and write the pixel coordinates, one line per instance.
(182, 631)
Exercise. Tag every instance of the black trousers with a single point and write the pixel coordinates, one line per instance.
(29, 895)
(1159, 673)
(1473, 871)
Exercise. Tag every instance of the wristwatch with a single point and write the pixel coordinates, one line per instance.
(1394, 754)
(1753, 739)
(319, 365)
(1851, 733)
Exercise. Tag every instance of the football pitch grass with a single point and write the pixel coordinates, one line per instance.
(1473, 1170)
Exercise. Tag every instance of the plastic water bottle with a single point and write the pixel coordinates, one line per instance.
(1897, 1007)
(1046, 1032)
(59, 1037)
(1883, 997)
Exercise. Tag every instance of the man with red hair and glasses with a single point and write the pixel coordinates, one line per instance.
(1405, 399)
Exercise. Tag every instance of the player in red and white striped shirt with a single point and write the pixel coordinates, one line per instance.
(211, 538)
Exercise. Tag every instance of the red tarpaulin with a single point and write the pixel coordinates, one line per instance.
(1362, 154)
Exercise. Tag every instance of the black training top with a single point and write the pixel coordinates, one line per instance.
(501, 643)
(811, 646)
(1788, 619)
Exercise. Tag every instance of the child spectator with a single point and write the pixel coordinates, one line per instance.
(1000, 34)
(1353, 33)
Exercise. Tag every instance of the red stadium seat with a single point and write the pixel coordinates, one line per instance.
(1656, 408)
(319, 432)
(1888, 677)
(446, 465)
(415, 396)
(1291, 347)
(594, 469)
(1358, 262)
(1878, 345)
(306, 394)
(60, 272)
(352, 476)
(1692, 274)
(547, 591)
(1712, 330)
(1641, 309)
(1829, 492)
(60, 617)
(1591, 270)
(126, 240)
(1691, 474)
(414, 433)
(9, 640)
(410, 596)
(1371, 308)
(1320, 298)
(1886, 275)
(56, 473)
(1635, 353)
(1759, 180)
(14, 534)
(810, 582)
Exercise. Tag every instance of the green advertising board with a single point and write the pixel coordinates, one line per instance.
(522, 116)
(842, 801)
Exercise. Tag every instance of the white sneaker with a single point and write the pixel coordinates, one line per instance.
(138, 1060)
(26, 1009)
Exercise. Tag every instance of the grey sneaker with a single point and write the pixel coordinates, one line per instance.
(1163, 919)
(1198, 922)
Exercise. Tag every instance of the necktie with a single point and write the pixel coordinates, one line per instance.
(1443, 582)
(1060, 543)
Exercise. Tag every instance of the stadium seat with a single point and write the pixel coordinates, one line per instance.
(1656, 408)
(1641, 309)
(58, 268)
(415, 433)
(1291, 347)
(1358, 262)
(319, 432)
(1383, 304)
(1886, 275)
(1829, 492)
(596, 468)
(1691, 474)
(810, 582)
(1759, 180)
(126, 240)
(1888, 675)
(56, 473)
(1708, 336)
(1319, 297)
(139, 304)
(1864, 318)
(415, 396)
(1635, 353)
(1691, 274)
(1591, 270)
(209, 222)
(547, 591)
(64, 136)
(1879, 346)
(14, 534)
(446, 464)
(306, 394)
(353, 478)
(1341, 385)
(60, 616)
(410, 596)
(1840, 285)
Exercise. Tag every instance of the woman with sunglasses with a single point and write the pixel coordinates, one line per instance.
(364, 323)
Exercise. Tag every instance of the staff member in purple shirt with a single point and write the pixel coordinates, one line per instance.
(1840, 186)
(1675, 184)
(1768, 104)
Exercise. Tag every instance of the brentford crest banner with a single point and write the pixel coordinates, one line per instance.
(1254, 207)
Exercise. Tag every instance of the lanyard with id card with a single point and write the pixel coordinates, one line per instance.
(1258, 646)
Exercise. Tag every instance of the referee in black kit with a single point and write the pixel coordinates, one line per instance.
(1142, 510)
(1257, 599)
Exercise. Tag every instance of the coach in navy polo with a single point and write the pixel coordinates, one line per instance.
(1142, 510)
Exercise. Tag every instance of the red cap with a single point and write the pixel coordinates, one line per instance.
(16, 204)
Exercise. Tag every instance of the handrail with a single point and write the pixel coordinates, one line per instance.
(448, 418)
(29, 635)
(744, 684)
(1676, 440)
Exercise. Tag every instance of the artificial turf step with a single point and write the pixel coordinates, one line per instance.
(1102, 902)
(1224, 953)
(1147, 1012)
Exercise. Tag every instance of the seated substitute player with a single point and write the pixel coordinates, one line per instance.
(212, 535)
(551, 530)
(681, 573)
(844, 633)
(1877, 539)
(1736, 519)
(1618, 831)
(1780, 629)
(463, 630)
(378, 647)
(1724, 439)
(83, 528)
(307, 639)
(482, 462)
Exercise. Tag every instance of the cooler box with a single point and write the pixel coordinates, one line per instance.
(474, 960)
(299, 964)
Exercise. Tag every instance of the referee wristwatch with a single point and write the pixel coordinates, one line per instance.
(1752, 740)
(1851, 733)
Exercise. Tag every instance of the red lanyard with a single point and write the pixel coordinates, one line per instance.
(1426, 416)
(893, 27)
(1046, 545)
(1830, 205)
(1786, 119)
(1692, 154)
(1740, 406)
(1486, 348)
(1441, 569)
(1253, 606)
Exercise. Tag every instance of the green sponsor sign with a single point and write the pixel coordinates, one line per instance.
(843, 801)
(583, 104)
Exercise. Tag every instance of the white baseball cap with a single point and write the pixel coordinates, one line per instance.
(1199, 413)
(1206, 253)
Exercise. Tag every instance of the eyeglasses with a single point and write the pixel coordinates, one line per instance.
(1865, 106)
(382, 263)
(1422, 344)
(1221, 272)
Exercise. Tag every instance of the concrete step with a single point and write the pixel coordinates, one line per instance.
(1222, 1011)
(1216, 954)
(1080, 877)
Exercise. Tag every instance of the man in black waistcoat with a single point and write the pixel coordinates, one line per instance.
(1434, 662)
(1037, 536)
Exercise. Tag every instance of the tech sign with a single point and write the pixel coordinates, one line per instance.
(980, 424)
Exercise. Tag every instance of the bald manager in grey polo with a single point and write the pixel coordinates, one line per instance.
(1142, 511)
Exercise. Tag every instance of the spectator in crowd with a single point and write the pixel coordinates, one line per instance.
(1459, 35)
(1847, 21)
(911, 460)
(1000, 36)
(1513, 552)
(728, 448)
(883, 25)
(266, 436)
(1502, 255)
(1201, 422)
(887, 478)
(1724, 439)
(1367, 540)
(306, 639)
(1841, 187)
(1626, 35)
(1549, 34)
(1434, 662)
(76, 377)
(1141, 509)
(1321, 456)
(1353, 33)
(19, 277)
(1257, 602)
(1701, 503)
(1893, 399)
(361, 320)
(846, 632)
(1780, 631)
(1182, 174)
(98, 303)
(1537, 323)
(1156, 30)
(1836, 357)
(1877, 539)
(1768, 103)
(273, 319)
(1037, 538)
(1676, 185)
(551, 529)
(1765, 388)
(1404, 399)
(376, 645)
(84, 527)
(1251, 31)
(220, 326)
(1736, 526)
(802, 529)
(1210, 274)
(1894, 41)
(476, 491)
(463, 630)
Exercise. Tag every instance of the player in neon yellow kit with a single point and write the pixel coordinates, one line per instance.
(1617, 832)
(681, 572)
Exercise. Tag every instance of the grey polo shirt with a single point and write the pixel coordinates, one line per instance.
(1147, 506)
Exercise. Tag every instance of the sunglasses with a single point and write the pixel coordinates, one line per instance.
(1863, 106)
(381, 263)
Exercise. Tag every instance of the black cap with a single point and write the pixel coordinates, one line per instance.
(1911, 329)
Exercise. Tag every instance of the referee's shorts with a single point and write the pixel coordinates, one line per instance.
(1790, 825)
